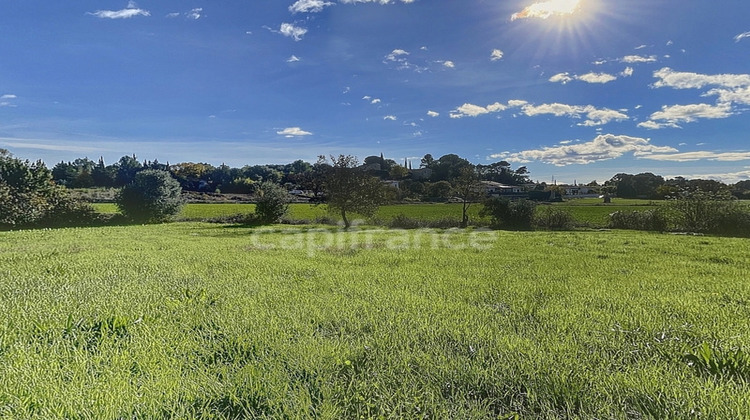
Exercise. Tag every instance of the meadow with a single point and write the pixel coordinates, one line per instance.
(587, 212)
(197, 320)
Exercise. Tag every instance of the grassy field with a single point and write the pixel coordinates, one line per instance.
(587, 212)
(199, 212)
(191, 320)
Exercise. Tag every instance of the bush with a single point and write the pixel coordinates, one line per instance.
(509, 214)
(29, 197)
(153, 196)
(705, 212)
(273, 202)
(652, 220)
(553, 218)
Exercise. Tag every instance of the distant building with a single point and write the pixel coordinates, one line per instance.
(498, 189)
(580, 191)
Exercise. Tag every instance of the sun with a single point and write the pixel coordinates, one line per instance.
(547, 9)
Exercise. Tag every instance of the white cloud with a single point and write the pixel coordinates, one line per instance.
(599, 62)
(596, 78)
(449, 64)
(588, 78)
(547, 9)
(640, 47)
(561, 78)
(8, 96)
(395, 54)
(390, 118)
(295, 32)
(293, 132)
(496, 55)
(195, 14)
(130, 11)
(727, 178)
(603, 147)
(173, 15)
(740, 95)
(689, 80)
(742, 36)
(671, 116)
(701, 155)
(433, 114)
(309, 6)
(627, 72)
(120, 14)
(471, 110)
(595, 117)
(399, 57)
(293, 59)
(375, 101)
(374, 1)
(638, 59)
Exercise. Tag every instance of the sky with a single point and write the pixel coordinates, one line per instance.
(575, 90)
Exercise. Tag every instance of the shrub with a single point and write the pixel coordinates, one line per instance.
(153, 196)
(553, 218)
(509, 214)
(272, 204)
(29, 197)
(652, 220)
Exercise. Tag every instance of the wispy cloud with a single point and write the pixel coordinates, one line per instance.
(293, 59)
(390, 118)
(433, 114)
(742, 36)
(547, 9)
(293, 132)
(130, 11)
(638, 59)
(588, 78)
(688, 80)
(702, 155)
(291, 31)
(400, 58)
(496, 55)
(8, 96)
(195, 14)
(449, 64)
(603, 147)
(309, 6)
(374, 1)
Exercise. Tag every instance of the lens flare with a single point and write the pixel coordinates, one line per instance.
(547, 9)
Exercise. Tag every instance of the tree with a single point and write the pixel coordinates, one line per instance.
(29, 197)
(509, 214)
(272, 204)
(349, 189)
(153, 196)
(468, 188)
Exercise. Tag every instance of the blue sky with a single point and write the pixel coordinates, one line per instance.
(572, 89)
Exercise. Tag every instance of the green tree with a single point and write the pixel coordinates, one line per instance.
(468, 188)
(29, 197)
(272, 204)
(349, 189)
(153, 196)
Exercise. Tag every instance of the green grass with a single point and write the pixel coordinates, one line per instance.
(191, 320)
(199, 212)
